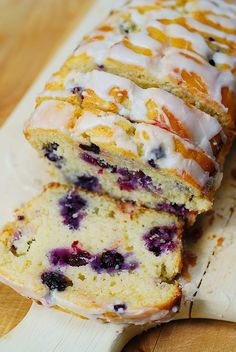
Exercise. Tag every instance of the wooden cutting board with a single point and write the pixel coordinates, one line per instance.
(209, 275)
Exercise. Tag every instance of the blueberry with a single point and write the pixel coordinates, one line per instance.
(109, 260)
(89, 159)
(112, 260)
(49, 151)
(211, 39)
(156, 154)
(173, 208)
(55, 280)
(72, 206)
(120, 308)
(67, 256)
(128, 182)
(90, 183)
(100, 67)
(127, 27)
(132, 180)
(90, 148)
(212, 62)
(77, 90)
(160, 239)
(59, 256)
(20, 217)
(123, 29)
(152, 163)
(97, 162)
(81, 258)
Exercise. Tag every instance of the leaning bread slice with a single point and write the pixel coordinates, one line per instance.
(108, 92)
(93, 256)
(156, 46)
(105, 152)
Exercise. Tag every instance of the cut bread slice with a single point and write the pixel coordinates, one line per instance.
(105, 152)
(108, 92)
(93, 256)
(172, 49)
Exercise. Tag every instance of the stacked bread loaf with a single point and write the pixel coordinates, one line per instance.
(137, 122)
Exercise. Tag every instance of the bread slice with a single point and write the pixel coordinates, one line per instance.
(105, 152)
(156, 44)
(93, 256)
(108, 92)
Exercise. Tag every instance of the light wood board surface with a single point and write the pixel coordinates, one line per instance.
(30, 32)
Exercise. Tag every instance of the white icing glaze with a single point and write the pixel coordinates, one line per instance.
(92, 80)
(172, 160)
(218, 7)
(89, 121)
(55, 93)
(136, 17)
(166, 66)
(197, 41)
(134, 3)
(161, 66)
(139, 317)
(222, 46)
(143, 40)
(199, 125)
(165, 14)
(210, 30)
(51, 115)
(141, 21)
(118, 4)
(121, 53)
(100, 47)
(22, 289)
(221, 59)
(223, 21)
(213, 78)
(222, 9)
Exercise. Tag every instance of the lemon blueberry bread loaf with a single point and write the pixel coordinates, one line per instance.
(105, 152)
(187, 48)
(137, 122)
(93, 256)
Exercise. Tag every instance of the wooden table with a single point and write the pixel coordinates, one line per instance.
(30, 32)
